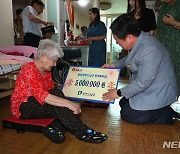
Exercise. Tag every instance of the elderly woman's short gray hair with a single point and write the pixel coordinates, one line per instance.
(50, 48)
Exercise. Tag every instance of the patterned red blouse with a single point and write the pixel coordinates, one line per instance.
(30, 82)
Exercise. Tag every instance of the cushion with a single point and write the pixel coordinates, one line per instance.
(26, 125)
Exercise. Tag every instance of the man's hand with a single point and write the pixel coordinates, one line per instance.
(108, 65)
(110, 95)
(48, 23)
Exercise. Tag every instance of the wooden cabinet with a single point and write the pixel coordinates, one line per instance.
(7, 83)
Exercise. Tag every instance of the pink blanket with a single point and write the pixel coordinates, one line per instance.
(9, 59)
(22, 50)
(8, 55)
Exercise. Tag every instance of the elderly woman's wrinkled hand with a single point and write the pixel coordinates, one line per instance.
(77, 108)
(74, 107)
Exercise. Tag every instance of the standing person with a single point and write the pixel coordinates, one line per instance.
(35, 96)
(147, 99)
(144, 16)
(96, 35)
(168, 32)
(31, 23)
(18, 28)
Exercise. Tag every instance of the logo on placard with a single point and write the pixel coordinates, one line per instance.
(80, 92)
(76, 69)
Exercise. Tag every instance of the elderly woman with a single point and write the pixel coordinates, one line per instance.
(35, 97)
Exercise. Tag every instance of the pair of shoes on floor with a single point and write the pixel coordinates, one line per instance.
(54, 134)
(92, 136)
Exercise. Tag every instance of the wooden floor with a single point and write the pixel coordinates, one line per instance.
(123, 137)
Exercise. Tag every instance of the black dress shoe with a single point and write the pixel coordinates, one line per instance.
(53, 134)
(92, 136)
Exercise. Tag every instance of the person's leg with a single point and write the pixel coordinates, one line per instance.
(64, 116)
(56, 124)
(31, 40)
(33, 110)
(74, 124)
(159, 116)
(122, 101)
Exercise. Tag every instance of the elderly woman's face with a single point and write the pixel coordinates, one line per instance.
(49, 63)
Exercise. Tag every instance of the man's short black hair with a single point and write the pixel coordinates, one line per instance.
(124, 25)
(39, 2)
(18, 11)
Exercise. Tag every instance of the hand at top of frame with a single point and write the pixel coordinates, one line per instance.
(169, 20)
(108, 65)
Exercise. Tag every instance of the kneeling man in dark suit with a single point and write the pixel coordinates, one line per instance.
(153, 88)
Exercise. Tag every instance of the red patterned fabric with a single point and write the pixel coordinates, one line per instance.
(30, 82)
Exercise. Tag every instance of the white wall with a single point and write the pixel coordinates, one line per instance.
(19, 4)
(80, 20)
(52, 14)
(6, 24)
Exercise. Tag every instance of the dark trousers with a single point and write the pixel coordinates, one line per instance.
(31, 39)
(159, 116)
(65, 119)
